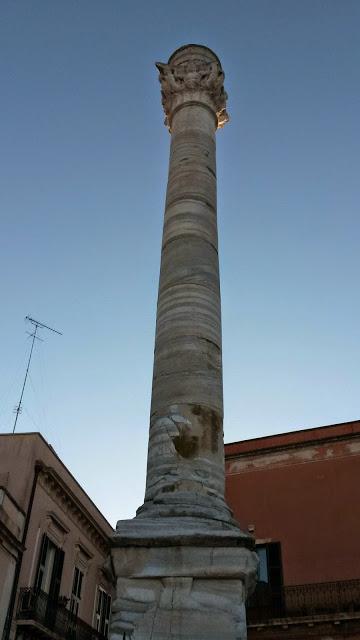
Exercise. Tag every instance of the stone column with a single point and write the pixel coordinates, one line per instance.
(183, 566)
(185, 471)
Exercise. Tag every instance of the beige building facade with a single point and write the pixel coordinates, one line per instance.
(54, 543)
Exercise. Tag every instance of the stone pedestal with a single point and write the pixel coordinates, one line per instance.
(183, 566)
(181, 579)
(191, 589)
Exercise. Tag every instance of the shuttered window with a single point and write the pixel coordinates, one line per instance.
(76, 591)
(50, 566)
(102, 611)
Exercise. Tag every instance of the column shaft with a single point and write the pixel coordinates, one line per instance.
(186, 434)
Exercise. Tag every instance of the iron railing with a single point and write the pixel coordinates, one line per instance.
(303, 600)
(36, 606)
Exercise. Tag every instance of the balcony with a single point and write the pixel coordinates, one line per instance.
(320, 600)
(51, 619)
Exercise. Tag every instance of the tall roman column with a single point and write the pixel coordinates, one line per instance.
(185, 472)
(183, 567)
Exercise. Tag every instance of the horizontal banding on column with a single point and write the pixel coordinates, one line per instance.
(177, 303)
(184, 185)
(190, 294)
(187, 354)
(200, 387)
(191, 196)
(189, 260)
(197, 326)
(192, 145)
(190, 217)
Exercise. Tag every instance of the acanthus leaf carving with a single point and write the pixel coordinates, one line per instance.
(193, 78)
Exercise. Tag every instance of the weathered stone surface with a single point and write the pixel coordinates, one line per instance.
(182, 561)
(192, 593)
(185, 472)
(183, 566)
(181, 608)
(179, 530)
(193, 73)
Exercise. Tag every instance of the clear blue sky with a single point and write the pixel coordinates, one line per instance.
(84, 158)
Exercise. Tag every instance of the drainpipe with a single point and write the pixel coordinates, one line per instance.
(10, 612)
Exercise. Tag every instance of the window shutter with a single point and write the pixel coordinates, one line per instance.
(57, 573)
(42, 560)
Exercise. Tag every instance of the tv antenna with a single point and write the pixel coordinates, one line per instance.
(36, 325)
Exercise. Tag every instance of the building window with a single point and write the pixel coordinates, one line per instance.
(263, 565)
(76, 591)
(102, 611)
(49, 571)
(270, 566)
(268, 592)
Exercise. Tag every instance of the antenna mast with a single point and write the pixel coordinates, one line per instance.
(37, 325)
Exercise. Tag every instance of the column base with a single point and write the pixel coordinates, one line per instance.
(181, 587)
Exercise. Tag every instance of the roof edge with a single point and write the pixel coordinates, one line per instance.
(299, 436)
(52, 450)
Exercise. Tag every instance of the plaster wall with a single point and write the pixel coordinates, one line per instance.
(24, 450)
(7, 570)
(302, 490)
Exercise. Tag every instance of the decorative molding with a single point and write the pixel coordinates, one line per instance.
(81, 548)
(274, 448)
(83, 556)
(194, 80)
(62, 495)
(55, 528)
(57, 522)
(106, 574)
(260, 541)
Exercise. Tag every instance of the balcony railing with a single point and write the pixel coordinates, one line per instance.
(35, 606)
(324, 598)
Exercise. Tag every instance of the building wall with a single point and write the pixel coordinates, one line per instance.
(12, 520)
(23, 450)
(7, 571)
(61, 510)
(55, 520)
(302, 489)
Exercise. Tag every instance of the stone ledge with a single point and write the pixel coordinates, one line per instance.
(206, 562)
(175, 532)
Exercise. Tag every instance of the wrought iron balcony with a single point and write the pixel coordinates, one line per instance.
(324, 598)
(36, 609)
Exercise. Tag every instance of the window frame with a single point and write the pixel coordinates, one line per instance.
(76, 591)
(102, 605)
(49, 568)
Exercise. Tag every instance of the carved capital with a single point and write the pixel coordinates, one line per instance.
(193, 74)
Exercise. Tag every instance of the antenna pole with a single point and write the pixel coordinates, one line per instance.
(37, 324)
(18, 408)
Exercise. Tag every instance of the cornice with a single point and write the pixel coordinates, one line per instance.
(251, 453)
(62, 495)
